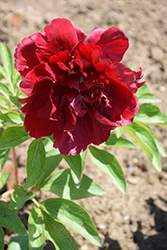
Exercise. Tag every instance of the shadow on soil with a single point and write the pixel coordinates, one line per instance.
(111, 244)
(154, 242)
(159, 240)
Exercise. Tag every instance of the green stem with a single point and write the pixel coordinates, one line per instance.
(36, 202)
(4, 108)
(15, 166)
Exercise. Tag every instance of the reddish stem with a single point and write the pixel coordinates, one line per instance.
(11, 184)
(9, 192)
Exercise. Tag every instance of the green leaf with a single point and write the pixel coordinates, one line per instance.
(113, 141)
(16, 81)
(36, 228)
(3, 178)
(131, 66)
(149, 113)
(2, 111)
(14, 100)
(19, 197)
(2, 72)
(58, 234)
(36, 161)
(21, 95)
(48, 144)
(143, 90)
(9, 219)
(18, 242)
(109, 165)
(158, 144)
(10, 119)
(118, 131)
(7, 61)
(12, 137)
(53, 158)
(4, 103)
(4, 154)
(77, 164)
(1, 76)
(146, 141)
(62, 184)
(1, 238)
(1, 131)
(5, 90)
(74, 216)
(148, 98)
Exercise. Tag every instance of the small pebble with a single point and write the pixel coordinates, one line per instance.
(162, 88)
(132, 168)
(126, 217)
(101, 226)
(132, 180)
(135, 160)
(84, 247)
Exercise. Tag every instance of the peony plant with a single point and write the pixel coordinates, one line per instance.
(66, 93)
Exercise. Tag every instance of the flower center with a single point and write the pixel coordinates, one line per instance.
(72, 72)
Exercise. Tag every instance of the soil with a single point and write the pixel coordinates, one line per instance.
(137, 220)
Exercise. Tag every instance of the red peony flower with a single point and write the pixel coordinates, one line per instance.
(76, 86)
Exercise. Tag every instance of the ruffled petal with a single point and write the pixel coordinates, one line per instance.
(77, 141)
(122, 103)
(25, 56)
(94, 36)
(60, 35)
(33, 78)
(38, 123)
(113, 43)
(91, 52)
(37, 120)
(58, 64)
(38, 99)
(126, 76)
(81, 36)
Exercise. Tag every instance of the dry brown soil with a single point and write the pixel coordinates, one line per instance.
(137, 220)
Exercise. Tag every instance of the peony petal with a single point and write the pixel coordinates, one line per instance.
(25, 57)
(58, 99)
(94, 36)
(62, 34)
(101, 118)
(44, 49)
(38, 123)
(138, 76)
(91, 52)
(36, 101)
(75, 100)
(81, 36)
(122, 103)
(77, 141)
(113, 43)
(126, 76)
(58, 64)
(37, 120)
(36, 75)
(70, 118)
